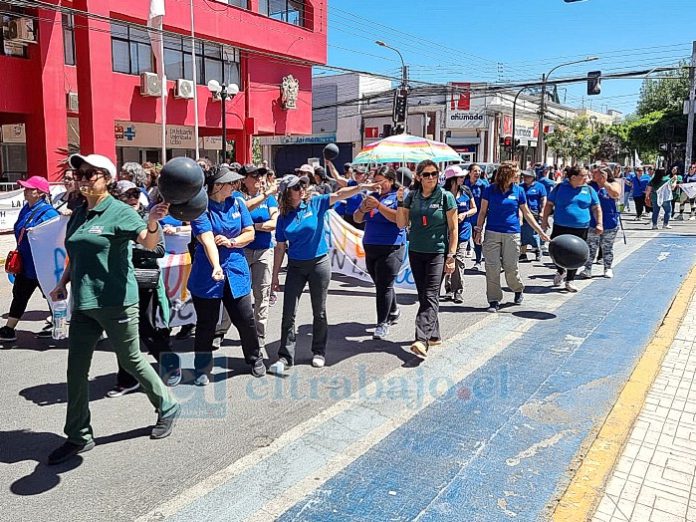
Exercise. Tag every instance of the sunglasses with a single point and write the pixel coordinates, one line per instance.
(298, 187)
(88, 174)
(132, 194)
(430, 174)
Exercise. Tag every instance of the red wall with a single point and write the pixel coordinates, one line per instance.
(106, 96)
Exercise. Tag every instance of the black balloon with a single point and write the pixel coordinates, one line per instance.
(180, 181)
(331, 151)
(191, 209)
(568, 251)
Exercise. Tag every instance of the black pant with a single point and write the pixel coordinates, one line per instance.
(156, 340)
(427, 273)
(316, 272)
(640, 205)
(241, 314)
(22, 290)
(383, 264)
(559, 230)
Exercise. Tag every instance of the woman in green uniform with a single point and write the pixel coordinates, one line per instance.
(105, 298)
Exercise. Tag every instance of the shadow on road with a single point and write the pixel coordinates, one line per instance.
(57, 392)
(24, 445)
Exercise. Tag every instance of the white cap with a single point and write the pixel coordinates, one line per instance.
(95, 160)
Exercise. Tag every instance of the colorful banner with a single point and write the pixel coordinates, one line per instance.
(348, 255)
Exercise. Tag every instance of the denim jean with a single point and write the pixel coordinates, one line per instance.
(666, 206)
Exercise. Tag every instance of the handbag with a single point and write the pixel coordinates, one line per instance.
(147, 278)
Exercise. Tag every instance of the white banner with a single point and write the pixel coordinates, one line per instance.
(689, 189)
(348, 255)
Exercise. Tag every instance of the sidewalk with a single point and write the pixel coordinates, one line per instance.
(653, 479)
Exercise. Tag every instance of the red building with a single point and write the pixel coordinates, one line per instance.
(81, 83)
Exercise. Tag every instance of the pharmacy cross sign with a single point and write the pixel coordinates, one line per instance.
(129, 133)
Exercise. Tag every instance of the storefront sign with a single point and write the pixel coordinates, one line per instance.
(314, 139)
(458, 113)
(525, 130)
(149, 135)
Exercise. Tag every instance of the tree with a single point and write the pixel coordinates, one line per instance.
(574, 138)
(665, 94)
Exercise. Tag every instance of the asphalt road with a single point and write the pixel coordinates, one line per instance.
(128, 475)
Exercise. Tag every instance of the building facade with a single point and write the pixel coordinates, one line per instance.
(79, 75)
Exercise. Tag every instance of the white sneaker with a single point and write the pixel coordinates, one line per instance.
(381, 331)
(654, 227)
(680, 217)
(585, 273)
(278, 367)
(558, 279)
(570, 286)
(692, 218)
(477, 267)
(608, 273)
(318, 361)
(664, 227)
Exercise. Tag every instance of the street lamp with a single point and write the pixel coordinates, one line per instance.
(223, 92)
(514, 121)
(401, 96)
(544, 78)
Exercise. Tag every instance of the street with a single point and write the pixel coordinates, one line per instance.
(490, 427)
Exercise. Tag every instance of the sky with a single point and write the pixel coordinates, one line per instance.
(514, 40)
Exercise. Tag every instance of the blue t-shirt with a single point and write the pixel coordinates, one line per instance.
(378, 229)
(572, 205)
(548, 183)
(30, 217)
(171, 221)
(638, 186)
(353, 202)
(463, 206)
(228, 219)
(261, 214)
(303, 229)
(477, 190)
(610, 214)
(503, 209)
(535, 193)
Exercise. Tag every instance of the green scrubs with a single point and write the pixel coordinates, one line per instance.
(105, 298)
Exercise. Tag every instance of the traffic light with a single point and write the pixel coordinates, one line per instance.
(400, 105)
(594, 83)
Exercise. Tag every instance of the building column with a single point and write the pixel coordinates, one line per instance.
(94, 79)
(47, 126)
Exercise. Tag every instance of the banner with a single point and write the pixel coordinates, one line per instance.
(348, 255)
(689, 189)
(47, 243)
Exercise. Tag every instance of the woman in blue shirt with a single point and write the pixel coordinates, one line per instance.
(536, 194)
(301, 232)
(476, 184)
(466, 208)
(384, 244)
(259, 253)
(608, 190)
(36, 210)
(573, 202)
(501, 205)
(222, 233)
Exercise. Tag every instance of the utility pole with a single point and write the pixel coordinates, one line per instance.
(541, 157)
(692, 97)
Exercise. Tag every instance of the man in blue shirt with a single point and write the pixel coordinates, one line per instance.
(572, 202)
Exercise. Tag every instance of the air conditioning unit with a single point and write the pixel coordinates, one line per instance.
(150, 84)
(184, 89)
(21, 30)
(72, 102)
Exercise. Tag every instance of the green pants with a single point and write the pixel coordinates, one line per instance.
(121, 326)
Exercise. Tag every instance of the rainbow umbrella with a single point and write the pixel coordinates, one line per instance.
(404, 148)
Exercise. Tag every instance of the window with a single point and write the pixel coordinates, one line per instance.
(244, 4)
(178, 62)
(130, 49)
(288, 11)
(69, 39)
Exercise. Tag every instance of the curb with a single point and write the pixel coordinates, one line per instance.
(580, 499)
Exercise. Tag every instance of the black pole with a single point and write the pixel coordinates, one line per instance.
(223, 99)
(514, 119)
